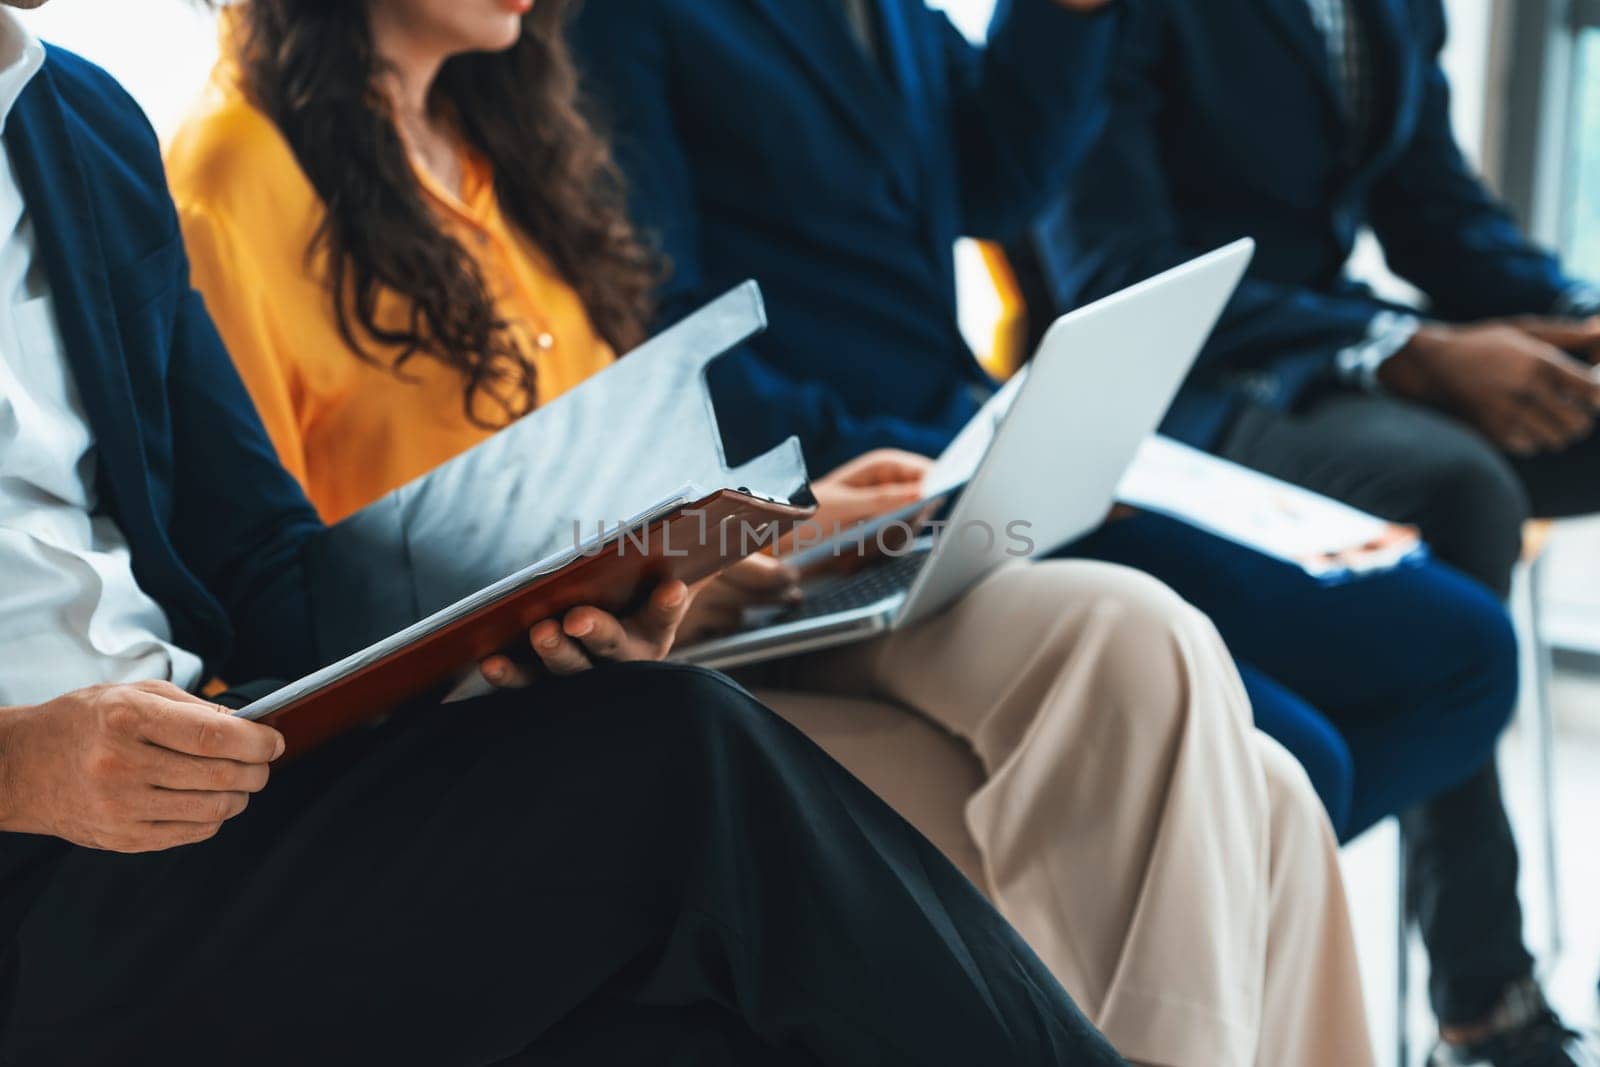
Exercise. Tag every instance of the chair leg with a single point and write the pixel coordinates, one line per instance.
(1402, 971)
(1544, 744)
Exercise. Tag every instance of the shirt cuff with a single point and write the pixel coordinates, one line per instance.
(1387, 334)
(1579, 302)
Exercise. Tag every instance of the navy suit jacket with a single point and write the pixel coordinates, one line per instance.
(1226, 121)
(219, 532)
(760, 142)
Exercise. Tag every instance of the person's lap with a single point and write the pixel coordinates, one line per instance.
(359, 896)
(916, 766)
(452, 885)
(1414, 669)
(1411, 464)
(620, 1032)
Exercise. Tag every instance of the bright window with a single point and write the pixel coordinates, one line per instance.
(1582, 214)
(160, 50)
(970, 16)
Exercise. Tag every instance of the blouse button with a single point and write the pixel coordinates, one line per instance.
(546, 341)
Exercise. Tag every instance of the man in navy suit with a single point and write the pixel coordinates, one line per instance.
(755, 134)
(635, 865)
(1301, 122)
(835, 150)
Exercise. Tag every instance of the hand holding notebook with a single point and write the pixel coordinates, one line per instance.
(587, 636)
(438, 574)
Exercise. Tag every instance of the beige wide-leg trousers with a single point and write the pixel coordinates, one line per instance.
(1076, 738)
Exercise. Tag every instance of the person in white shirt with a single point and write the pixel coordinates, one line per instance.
(620, 867)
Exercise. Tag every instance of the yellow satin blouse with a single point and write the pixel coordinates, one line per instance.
(349, 430)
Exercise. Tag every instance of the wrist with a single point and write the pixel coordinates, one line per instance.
(8, 733)
(1409, 372)
(1388, 332)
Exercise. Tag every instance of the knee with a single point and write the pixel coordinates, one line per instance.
(1329, 772)
(1144, 602)
(1140, 614)
(1126, 623)
(1480, 637)
(1157, 659)
(1302, 833)
(695, 704)
(1474, 513)
(1174, 648)
(1320, 751)
(693, 741)
(673, 715)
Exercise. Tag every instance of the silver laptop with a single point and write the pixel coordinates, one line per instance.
(1100, 384)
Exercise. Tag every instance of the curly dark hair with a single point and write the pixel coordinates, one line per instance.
(311, 66)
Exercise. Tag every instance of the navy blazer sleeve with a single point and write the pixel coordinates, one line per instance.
(1117, 225)
(1445, 233)
(1025, 108)
(627, 47)
(239, 520)
(218, 529)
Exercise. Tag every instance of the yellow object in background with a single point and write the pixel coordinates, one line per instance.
(993, 315)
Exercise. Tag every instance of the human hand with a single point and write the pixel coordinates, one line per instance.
(129, 768)
(871, 485)
(1524, 393)
(586, 636)
(868, 486)
(718, 607)
(1577, 337)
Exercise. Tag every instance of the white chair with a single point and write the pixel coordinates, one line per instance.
(1536, 712)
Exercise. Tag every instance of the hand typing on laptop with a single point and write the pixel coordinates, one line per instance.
(874, 484)
(1076, 408)
(870, 485)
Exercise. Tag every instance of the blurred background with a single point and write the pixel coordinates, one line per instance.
(1521, 68)
(1527, 109)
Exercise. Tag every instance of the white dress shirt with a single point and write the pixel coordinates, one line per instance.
(71, 613)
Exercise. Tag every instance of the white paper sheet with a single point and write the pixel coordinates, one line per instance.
(1325, 537)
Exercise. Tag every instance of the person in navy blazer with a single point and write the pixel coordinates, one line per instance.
(1300, 123)
(835, 180)
(1230, 119)
(837, 163)
(530, 877)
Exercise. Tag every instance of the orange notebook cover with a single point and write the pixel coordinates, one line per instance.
(684, 539)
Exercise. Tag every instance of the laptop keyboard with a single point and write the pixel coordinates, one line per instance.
(879, 581)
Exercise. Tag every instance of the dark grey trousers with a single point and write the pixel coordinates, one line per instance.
(1413, 465)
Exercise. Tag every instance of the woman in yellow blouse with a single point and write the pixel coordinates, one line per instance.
(439, 283)
(409, 237)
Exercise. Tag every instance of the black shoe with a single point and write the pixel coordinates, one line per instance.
(1527, 1033)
